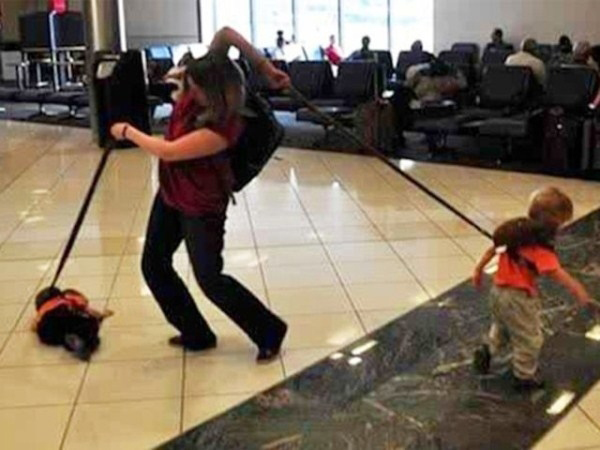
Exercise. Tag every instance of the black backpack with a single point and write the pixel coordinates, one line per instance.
(261, 137)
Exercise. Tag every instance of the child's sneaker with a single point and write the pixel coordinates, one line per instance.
(482, 360)
(527, 384)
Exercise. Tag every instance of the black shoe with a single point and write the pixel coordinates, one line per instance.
(179, 341)
(271, 350)
(527, 385)
(482, 360)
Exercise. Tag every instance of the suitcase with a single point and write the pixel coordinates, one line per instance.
(375, 122)
(568, 142)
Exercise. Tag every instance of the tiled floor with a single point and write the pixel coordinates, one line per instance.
(336, 244)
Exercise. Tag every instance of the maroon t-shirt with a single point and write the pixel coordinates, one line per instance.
(201, 185)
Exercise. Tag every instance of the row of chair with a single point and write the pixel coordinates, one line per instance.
(510, 104)
(357, 82)
(73, 99)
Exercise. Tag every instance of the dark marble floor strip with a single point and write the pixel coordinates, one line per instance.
(410, 384)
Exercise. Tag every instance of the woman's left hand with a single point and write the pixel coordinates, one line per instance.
(278, 79)
(118, 130)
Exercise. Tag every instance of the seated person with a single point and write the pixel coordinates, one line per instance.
(279, 52)
(332, 52)
(563, 53)
(435, 81)
(417, 49)
(498, 42)
(526, 58)
(582, 53)
(365, 53)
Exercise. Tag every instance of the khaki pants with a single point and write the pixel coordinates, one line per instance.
(516, 321)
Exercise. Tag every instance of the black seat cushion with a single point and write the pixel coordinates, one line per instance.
(515, 126)
(82, 101)
(62, 98)
(283, 103)
(8, 94)
(343, 113)
(33, 95)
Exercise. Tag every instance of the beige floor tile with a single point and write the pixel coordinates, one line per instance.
(278, 221)
(136, 343)
(315, 300)
(89, 266)
(322, 330)
(590, 405)
(374, 320)
(437, 286)
(286, 237)
(123, 425)
(401, 297)
(411, 230)
(291, 256)
(17, 291)
(130, 286)
(135, 311)
(360, 251)
(93, 287)
(197, 410)
(100, 247)
(41, 385)
(459, 228)
(9, 315)
(442, 267)
(296, 360)
(32, 270)
(24, 349)
(348, 234)
(29, 250)
(382, 271)
(426, 248)
(575, 431)
(229, 374)
(132, 380)
(241, 259)
(300, 276)
(39, 428)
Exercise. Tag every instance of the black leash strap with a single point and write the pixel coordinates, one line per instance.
(376, 153)
(83, 211)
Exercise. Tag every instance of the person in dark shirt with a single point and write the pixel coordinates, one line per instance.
(498, 42)
(365, 53)
(196, 180)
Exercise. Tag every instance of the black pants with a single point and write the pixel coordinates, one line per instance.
(203, 236)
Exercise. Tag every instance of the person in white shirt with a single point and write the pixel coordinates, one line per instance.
(526, 58)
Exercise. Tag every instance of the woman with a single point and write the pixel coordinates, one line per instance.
(195, 181)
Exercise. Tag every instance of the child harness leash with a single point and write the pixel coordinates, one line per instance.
(327, 119)
(82, 212)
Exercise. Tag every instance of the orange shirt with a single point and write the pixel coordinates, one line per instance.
(512, 274)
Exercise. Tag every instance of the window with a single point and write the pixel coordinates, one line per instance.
(411, 20)
(269, 17)
(361, 18)
(217, 14)
(208, 18)
(316, 20)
